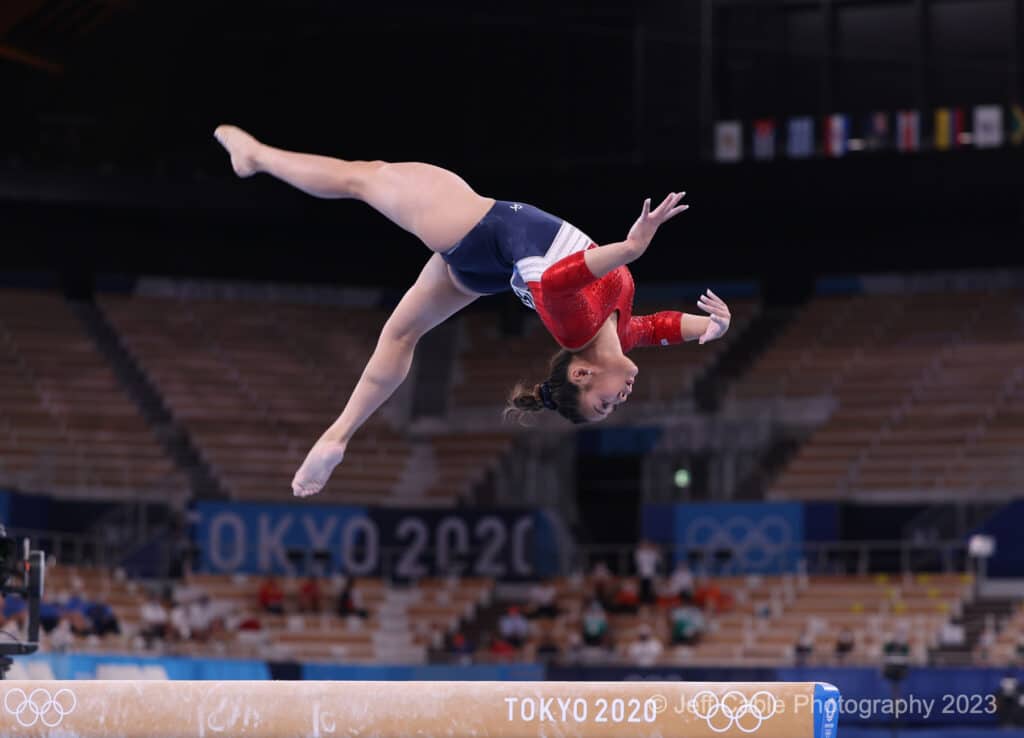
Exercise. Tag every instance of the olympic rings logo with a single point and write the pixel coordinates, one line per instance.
(40, 707)
(734, 709)
(755, 545)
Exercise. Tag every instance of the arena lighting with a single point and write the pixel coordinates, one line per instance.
(682, 478)
(981, 546)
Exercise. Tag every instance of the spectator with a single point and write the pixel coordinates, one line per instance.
(687, 622)
(154, 620)
(601, 579)
(952, 634)
(679, 585)
(646, 649)
(349, 601)
(573, 647)
(647, 558)
(626, 598)
(711, 597)
(845, 643)
(178, 624)
(15, 613)
(513, 627)
(896, 654)
(61, 639)
(987, 641)
(459, 645)
(1019, 649)
(271, 596)
(200, 618)
(310, 596)
(542, 600)
(804, 646)
(547, 647)
(499, 648)
(102, 620)
(595, 624)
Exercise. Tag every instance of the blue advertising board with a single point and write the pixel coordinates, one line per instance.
(764, 538)
(362, 541)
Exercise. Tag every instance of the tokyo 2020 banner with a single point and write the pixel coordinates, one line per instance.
(363, 541)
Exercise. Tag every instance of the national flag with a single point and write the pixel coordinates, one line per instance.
(1016, 125)
(878, 134)
(988, 126)
(728, 140)
(949, 127)
(836, 134)
(800, 138)
(764, 139)
(908, 130)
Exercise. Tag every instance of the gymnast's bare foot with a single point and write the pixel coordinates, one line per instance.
(242, 147)
(316, 469)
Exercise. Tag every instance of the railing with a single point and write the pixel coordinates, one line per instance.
(834, 557)
(515, 561)
(70, 548)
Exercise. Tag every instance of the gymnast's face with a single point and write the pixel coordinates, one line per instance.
(603, 387)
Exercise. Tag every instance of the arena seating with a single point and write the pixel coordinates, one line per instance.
(256, 383)
(400, 624)
(1009, 644)
(66, 426)
(770, 614)
(929, 393)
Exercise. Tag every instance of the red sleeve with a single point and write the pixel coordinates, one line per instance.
(567, 275)
(659, 329)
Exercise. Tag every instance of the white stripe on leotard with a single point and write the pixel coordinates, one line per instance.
(568, 240)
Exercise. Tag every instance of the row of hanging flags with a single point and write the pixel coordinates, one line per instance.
(992, 126)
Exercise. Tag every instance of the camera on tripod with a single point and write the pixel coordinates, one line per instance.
(21, 573)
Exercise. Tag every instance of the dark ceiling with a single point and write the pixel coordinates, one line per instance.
(107, 162)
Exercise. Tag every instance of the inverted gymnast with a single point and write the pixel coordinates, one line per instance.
(482, 246)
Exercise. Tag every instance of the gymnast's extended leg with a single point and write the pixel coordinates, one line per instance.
(430, 301)
(434, 204)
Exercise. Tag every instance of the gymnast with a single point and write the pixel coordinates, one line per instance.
(482, 246)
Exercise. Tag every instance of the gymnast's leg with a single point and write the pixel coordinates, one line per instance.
(435, 205)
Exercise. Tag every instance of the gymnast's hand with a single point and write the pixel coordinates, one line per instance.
(646, 225)
(718, 320)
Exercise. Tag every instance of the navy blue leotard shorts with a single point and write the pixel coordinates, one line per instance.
(510, 246)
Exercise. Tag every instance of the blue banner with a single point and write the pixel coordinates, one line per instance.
(763, 538)
(85, 666)
(1004, 525)
(239, 537)
(403, 543)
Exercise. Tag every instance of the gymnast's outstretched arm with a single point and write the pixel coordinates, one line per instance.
(611, 256)
(429, 302)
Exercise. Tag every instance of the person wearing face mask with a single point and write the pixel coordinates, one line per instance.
(482, 246)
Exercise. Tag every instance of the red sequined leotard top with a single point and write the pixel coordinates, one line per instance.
(574, 304)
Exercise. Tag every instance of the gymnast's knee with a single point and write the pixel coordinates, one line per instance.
(360, 177)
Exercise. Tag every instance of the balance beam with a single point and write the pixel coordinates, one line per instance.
(172, 709)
